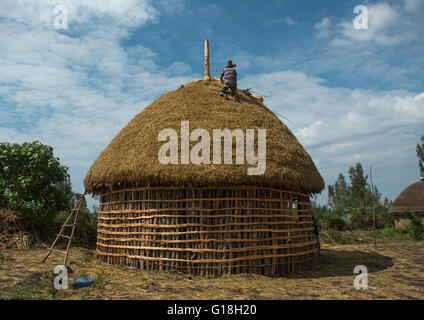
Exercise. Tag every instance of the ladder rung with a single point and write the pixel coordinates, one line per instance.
(73, 211)
(68, 225)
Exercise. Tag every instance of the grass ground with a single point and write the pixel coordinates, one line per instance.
(396, 271)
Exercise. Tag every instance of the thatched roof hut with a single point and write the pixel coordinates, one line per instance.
(204, 218)
(409, 200)
(132, 156)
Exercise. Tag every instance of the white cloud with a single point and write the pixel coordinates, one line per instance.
(173, 6)
(287, 20)
(340, 112)
(323, 28)
(339, 126)
(179, 68)
(381, 19)
(323, 24)
(75, 90)
(129, 13)
(387, 25)
(414, 6)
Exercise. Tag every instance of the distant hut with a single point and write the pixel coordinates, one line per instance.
(410, 200)
(205, 219)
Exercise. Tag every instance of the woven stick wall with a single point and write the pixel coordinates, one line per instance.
(207, 231)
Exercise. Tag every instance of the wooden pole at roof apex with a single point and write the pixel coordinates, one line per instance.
(207, 72)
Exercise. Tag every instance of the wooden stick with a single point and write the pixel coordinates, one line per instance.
(223, 240)
(207, 72)
(241, 258)
(373, 209)
(204, 188)
(206, 231)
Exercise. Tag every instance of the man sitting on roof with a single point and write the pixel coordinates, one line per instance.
(230, 80)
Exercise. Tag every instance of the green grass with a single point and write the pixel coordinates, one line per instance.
(409, 233)
(39, 285)
(99, 281)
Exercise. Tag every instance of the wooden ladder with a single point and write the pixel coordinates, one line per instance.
(74, 213)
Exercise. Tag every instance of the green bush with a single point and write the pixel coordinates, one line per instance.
(328, 220)
(86, 229)
(334, 222)
(416, 226)
(362, 219)
(408, 232)
(31, 179)
(412, 231)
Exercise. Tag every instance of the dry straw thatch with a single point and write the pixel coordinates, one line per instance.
(410, 200)
(13, 233)
(131, 158)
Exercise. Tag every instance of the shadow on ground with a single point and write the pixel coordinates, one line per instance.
(333, 263)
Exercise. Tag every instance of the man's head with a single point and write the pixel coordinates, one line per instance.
(230, 64)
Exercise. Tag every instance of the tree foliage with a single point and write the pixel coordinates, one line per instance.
(339, 194)
(358, 184)
(32, 180)
(353, 198)
(420, 153)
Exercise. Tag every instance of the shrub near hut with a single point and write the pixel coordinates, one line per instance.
(36, 196)
(30, 182)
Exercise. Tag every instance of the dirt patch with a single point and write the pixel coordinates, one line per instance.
(395, 272)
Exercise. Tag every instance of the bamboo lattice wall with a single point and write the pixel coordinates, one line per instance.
(207, 231)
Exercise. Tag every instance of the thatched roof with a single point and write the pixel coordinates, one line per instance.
(411, 199)
(132, 156)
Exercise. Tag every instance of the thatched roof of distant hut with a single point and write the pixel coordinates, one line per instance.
(132, 156)
(411, 199)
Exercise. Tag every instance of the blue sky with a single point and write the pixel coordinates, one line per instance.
(353, 95)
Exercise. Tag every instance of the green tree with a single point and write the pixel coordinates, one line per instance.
(420, 155)
(339, 194)
(33, 181)
(358, 182)
(355, 198)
